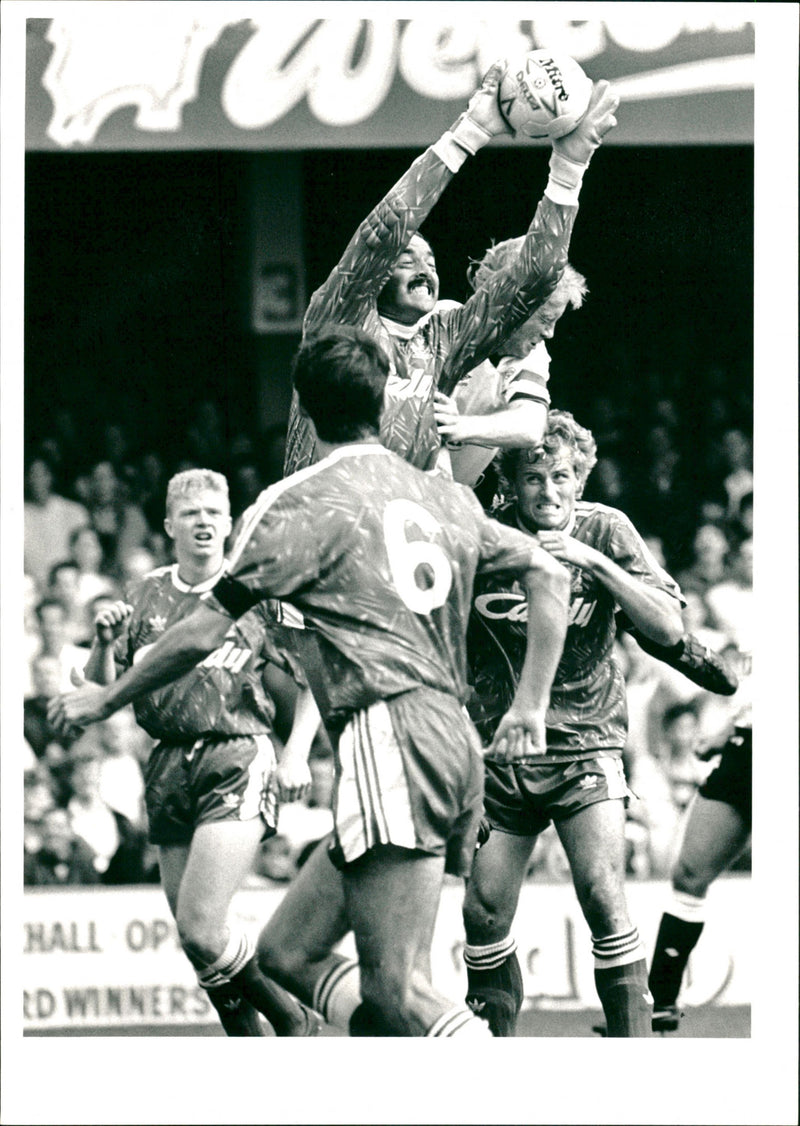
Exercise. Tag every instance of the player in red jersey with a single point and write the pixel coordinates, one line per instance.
(380, 559)
(579, 783)
(386, 281)
(208, 793)
(503, 404)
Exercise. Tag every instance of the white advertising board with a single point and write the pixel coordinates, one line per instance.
(99, 959)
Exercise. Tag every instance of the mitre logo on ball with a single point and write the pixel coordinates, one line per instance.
(543, 94)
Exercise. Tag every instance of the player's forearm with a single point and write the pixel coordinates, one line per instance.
(653, 612)
(548, 605)
(101, 667)
(353, 286)
(542, 258)
(512, 295)
(516, 427)
(176, 652)
(305, 725)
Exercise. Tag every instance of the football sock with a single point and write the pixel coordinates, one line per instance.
(237, 1016)
(238, 967)
(337, 993)
(368, 1020)
(678, 933)
(459, 1022)
(283, 1011)
(620, 975)
(495, 990)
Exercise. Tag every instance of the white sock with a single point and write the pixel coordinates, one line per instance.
(337, 993)
(491, 956)
(459, 1022)
(690, 908)
(237, 953)
(617, 949)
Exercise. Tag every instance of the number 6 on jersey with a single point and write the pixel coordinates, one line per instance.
(406, 557)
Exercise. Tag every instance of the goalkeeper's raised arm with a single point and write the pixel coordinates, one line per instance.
(387, 284)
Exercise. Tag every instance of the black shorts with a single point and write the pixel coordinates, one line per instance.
(732, 780)
(191, 784)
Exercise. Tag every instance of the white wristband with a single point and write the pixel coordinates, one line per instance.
(564, 183)
(470, 135)
(450, 154)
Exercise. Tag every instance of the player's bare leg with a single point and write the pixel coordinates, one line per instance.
(219, 857)
(714, 836)
(296, 945)
(495, 989)
(237, 1016)
(594, 841)
(392, 897)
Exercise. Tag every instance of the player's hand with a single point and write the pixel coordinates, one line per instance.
(111, 621)
(68, 712)
(566, 548)
(483, 107)
(598, 120)
(520, 734)
(292, 779)
(449, 422)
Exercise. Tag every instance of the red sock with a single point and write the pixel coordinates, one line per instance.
(620, 975)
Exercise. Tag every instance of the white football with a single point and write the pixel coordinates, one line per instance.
(543, 94)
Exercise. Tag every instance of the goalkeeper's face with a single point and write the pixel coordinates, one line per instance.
(413, 286)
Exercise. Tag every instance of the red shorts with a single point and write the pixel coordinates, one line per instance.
(190, 784)
(523, 798)
(409, 773)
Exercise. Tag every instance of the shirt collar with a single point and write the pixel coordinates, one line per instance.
(197, 588)
(405, 332)
(355, 449)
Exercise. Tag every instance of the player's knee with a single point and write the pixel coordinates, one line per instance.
(484, 922)
(603, 903)
(689, 878)
(201, 933)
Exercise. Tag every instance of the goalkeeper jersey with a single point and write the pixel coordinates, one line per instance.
(380, 560)
(443, 346)
(224, 694)
(587, 710)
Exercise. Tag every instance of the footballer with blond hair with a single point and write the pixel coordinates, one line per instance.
(210, 780)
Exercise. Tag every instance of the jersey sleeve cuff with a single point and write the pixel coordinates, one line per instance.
(530, 394)
(449, 152)
(564, 182)
(233, 596)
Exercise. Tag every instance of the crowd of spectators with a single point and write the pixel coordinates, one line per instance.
(93, 523)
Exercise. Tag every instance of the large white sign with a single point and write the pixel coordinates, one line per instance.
(110, 957)
(276, 79)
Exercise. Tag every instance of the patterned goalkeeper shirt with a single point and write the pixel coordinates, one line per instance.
(445, 345)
